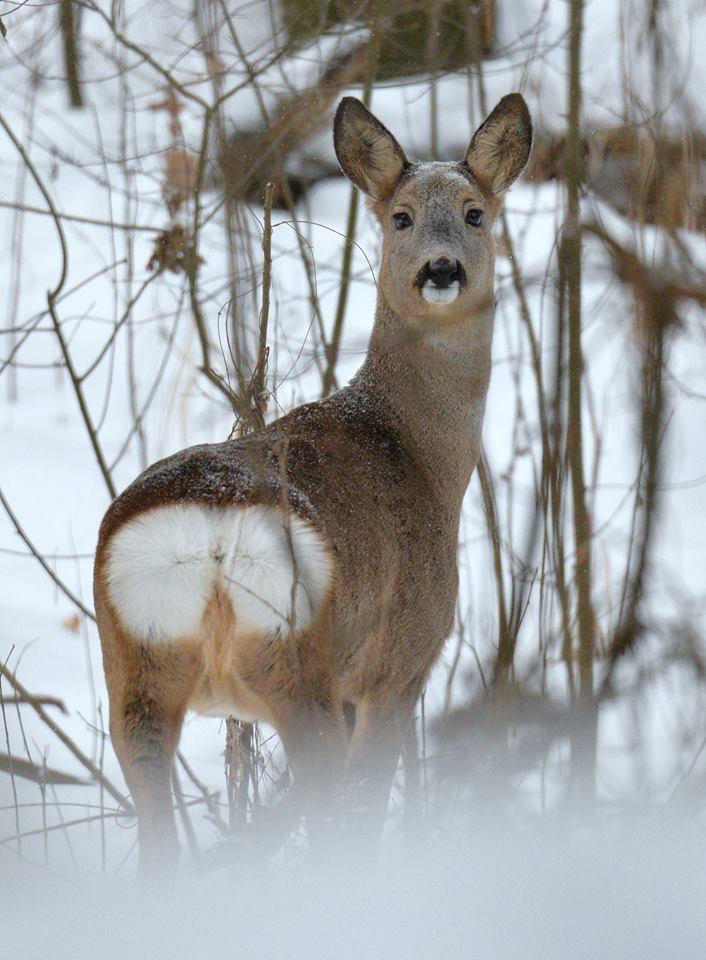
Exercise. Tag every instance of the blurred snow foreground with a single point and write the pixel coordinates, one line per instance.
(510, 864)
(610, 893)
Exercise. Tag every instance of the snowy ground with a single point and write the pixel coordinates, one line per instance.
(649, 742)
(613, 895)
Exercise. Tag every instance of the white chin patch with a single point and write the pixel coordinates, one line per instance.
(165, 564)
(441, 295)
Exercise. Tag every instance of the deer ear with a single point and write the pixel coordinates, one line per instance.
(500, 148)
(369, 155)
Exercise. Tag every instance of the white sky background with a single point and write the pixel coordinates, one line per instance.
(48, 472)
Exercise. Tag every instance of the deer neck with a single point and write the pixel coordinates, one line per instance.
(434, 383)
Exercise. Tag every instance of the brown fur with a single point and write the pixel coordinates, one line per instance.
(380, 469)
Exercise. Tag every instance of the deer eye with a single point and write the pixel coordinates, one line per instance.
(402, 221)
(474, 217)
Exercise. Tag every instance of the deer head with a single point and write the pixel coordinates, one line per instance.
(438, 253)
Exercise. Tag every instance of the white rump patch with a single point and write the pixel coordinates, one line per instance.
(443, 295)
(163, 566)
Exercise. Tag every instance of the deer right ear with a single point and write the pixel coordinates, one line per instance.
(369, 155)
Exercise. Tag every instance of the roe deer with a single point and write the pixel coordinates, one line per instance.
(306, 575)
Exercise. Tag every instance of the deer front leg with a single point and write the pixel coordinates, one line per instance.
(291, 673)
(315, 740)
(381, 724)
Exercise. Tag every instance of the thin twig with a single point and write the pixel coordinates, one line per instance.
(332, 349)
(52, 296)
(67, 741)
(38, 774)
(38, 556)
(10, 767)
(75, 218)
(45, 702)
(584, 744)
(184, 816)
(258, 399)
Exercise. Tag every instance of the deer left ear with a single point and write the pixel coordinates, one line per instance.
(500, 148)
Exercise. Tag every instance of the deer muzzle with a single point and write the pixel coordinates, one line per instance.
(441, 280)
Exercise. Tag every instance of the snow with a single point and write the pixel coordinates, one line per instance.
(50, 478)
(613, 896)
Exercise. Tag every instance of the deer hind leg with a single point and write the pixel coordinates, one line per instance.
(259, 576)
(149, 688)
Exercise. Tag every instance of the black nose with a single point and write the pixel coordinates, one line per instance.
(443, 272)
